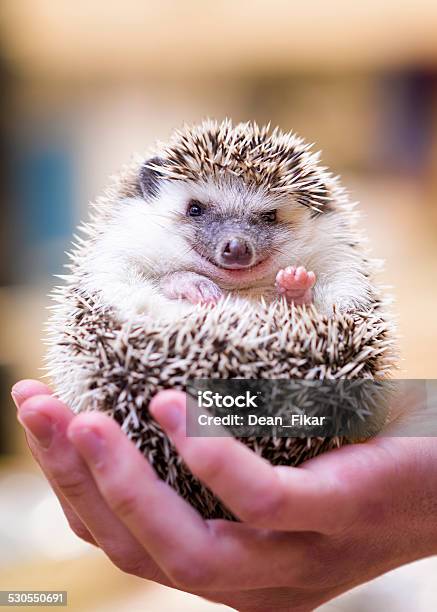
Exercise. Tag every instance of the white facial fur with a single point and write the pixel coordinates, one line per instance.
(144, 241)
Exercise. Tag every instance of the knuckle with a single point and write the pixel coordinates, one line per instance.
(132, 565)
(195, 574)
(124, 504)
(265, 509)
(81, 531)
(73, 486)
(209, 467)
(122, 556)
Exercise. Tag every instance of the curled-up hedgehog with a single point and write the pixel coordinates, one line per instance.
(226, 210)
(229, 252)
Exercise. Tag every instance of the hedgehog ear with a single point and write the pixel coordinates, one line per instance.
(150, 178)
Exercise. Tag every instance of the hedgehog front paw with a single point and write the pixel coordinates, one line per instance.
(296, 284)
(203, 292)
(192, 287)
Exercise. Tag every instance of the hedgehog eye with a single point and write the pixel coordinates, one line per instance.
(269, 216)
(194, 208)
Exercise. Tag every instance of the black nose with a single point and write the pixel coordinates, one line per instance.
(237, 252)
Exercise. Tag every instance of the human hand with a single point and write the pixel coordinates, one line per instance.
(307, 534)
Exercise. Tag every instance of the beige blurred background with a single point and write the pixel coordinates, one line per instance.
(85, 84)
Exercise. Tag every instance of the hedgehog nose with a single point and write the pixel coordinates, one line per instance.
(237, 252)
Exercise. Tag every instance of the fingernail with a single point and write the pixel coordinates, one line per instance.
(170, 417)
(39, 426)
(89, 443)
(17, 397)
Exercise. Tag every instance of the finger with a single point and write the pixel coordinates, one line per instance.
(75, 523)
(20, 392)
(151, 510)
(281, 498)
(46, 419)
(197, 555)
(24, 389)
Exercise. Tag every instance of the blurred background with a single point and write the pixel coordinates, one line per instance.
(86, 84)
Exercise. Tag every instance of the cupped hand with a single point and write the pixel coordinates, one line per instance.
(306, 534)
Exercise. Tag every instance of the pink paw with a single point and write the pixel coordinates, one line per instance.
(296, 284)
(193, 287)
(202, 292)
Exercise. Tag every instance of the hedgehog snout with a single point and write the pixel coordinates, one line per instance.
(236, 252)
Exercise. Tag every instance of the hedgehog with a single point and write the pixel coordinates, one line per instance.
(228, 253)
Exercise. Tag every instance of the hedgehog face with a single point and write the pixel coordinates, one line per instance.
(232, 225)
(236, 233)
(238, 202)
(233, 204)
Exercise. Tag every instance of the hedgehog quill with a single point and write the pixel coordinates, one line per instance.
(229, 252)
